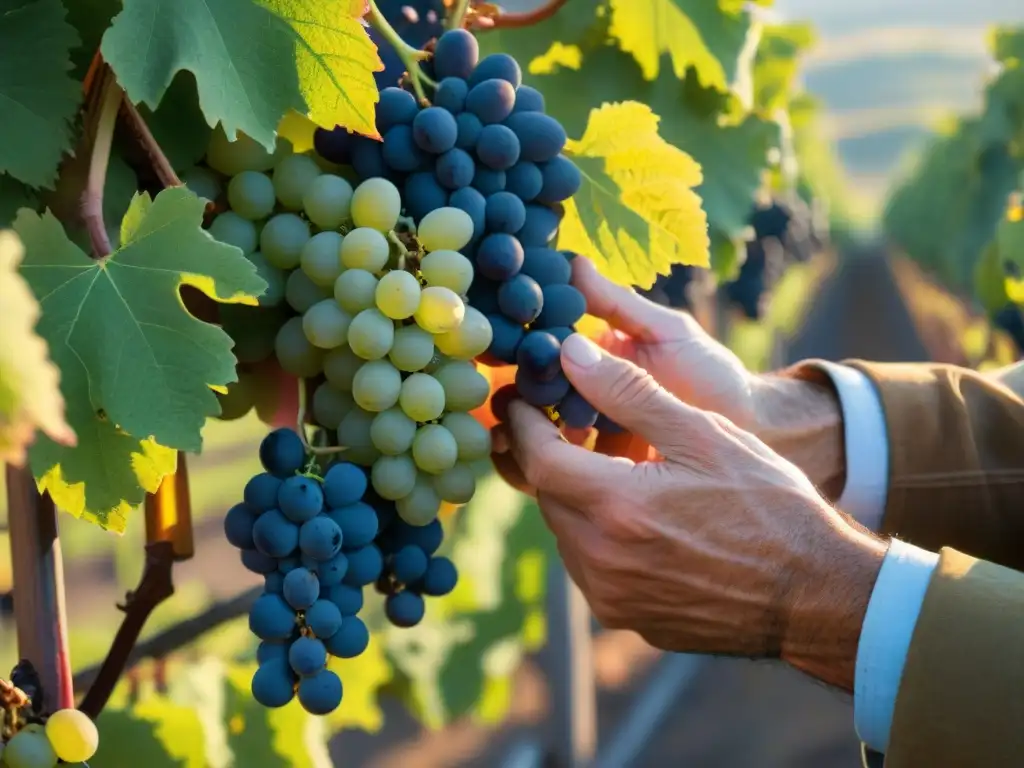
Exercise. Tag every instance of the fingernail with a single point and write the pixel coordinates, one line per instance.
(581, 351)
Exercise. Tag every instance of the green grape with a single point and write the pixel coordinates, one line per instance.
(292, 177)
(376, 386)
(294, 352)
(232, 229)
(274, 277)
(472, 437)
(393, 477)
(242, 154)
(413, 348)
(365, 248)
(456, 485)
(340, 366)
(301, 293)
(437, 361)
(371, 334)
(327, 201)
(376, 204)
(448, 269)
(471, 338)
(330, 405)
(422, 504)
(251, 195)
(445, 229)
(422, 397)
(354, 435)
(326, 324)
(239, 399)
(354, 290)
(392, 432)
(465, 388)
(29, 748)
(203, 183)
(282, 240)
(434, 450)
(440, 310)
(72, 735)
(320, 258)
(398, 294)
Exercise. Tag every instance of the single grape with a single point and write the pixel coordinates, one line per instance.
(564, 305)
(365, 248)
(334, 146)
(500, 257)
(364, 566)
(406, 609)
(351, 640)
(500, 66)
(293, 176)
(504, 213)
(271, 618)
(327, 201)
(562, 180)
(376, 386)
(344, 484)
(282, 240)
(440, 310)
(29, 748)
(273, 684)
(396, 107)
(232, 229)
(324, 618)
(456, 485)
(326, 324)
(576, 412)
(251, 195)
(440, 578)
(524, 180)
(521, 299)
(498, 146)
(465, 388)
(427, 537)
(321, 258)
(422, 397)
(301, 293)
(400, 150)
(320, 538)
(412, 349)
(376, 204)
(423, 194)
(540, 228)
(528, 99)
(329, 572)
(422, 505)
(349, 601)
(434, 130)
(491, 100)
(238, 523)
(448, 229)
(473, 204)
(547, 266)
(393, 476)
(448, 269)
(274, 583)
(231, 157)
(271, 649)
(472, 438)
(398, 294)
(301, 588)
(367, 161)
(541, 393)
(255, 561)
(456, 54)
(488, 181)
(274, 534)
(469, 128)
(473, 337)
(455, 169)
(451, 93)
(434, 449)
(202, 182)
(409, 564)
(72, 735)
(307, 656)
(354, 435)
(282, 453)
(260, 492)
(539, 355)
(358, 524)
(392, 432)
(340, 366)
(371, 334)
(507, 335)
(561, 333)
(330, 405)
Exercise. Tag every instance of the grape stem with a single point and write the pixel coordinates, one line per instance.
(411, 57)
(110, 99)
(403, 252)
(457, 14)
(161, 166)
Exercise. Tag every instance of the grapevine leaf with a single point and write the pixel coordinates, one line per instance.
(90, 18)
(636, 213)
(38, 98)
(701, 34)
(155, 733)
(253, 60)
(777, 64)
(990, 282)
(1010, 246)
(178, 124)
(135, 366)
(363, 677)
(29, 383)
(13, 195)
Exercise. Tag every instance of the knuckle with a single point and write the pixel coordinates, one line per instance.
(632, 386)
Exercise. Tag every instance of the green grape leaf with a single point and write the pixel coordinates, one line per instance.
(990, 281)
(1010, 247)
(38, 97)
(155, 732)
(178, 124)
(363, 678)
(30, 396)
(706, 35)
(777, 64)
(136, 367)
(14, 195)
(90, 18)
(636, 213)
(253, 60)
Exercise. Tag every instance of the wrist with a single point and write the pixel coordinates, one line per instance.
(803, 422)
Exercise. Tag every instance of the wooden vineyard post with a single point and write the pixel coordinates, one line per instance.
(169, 513)
(39, 604)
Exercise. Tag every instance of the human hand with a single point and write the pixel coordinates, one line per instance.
(799, 419)
(723, 547)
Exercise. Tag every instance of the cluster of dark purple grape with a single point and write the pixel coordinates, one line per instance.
(318, 541)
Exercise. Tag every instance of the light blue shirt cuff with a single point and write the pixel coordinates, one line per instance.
(885, 638)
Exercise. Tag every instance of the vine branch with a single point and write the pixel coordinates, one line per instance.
(519, 19)
(155, 586)
(411, 57)
(144, 138)
(99, 158)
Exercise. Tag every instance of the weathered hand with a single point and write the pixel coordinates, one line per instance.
(723, 547)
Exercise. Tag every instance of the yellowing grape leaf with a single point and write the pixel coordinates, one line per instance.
(363, 676)
(136, 367)
(38, 98)
(704, 34)
(29, 383)
(253, 60)
(636, 213)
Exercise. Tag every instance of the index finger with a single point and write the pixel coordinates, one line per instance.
(554, 466)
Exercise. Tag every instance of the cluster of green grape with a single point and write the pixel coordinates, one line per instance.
(68, 736)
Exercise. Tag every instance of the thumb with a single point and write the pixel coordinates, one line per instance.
(629, 396)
